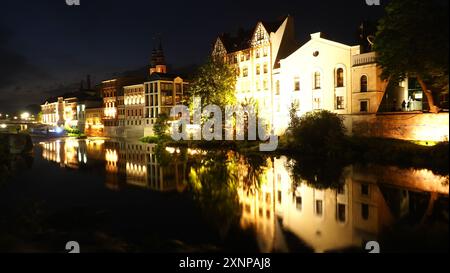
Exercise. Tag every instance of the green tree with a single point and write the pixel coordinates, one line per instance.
(412, 40)
(317, 134)
(214, 83)
(161, 127)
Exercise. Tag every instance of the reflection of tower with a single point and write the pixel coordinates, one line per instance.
(158, 61)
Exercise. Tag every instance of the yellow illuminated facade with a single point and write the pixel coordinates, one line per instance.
(354, 214)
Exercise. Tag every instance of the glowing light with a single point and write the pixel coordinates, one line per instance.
(3, 126)
(58, 130)
(25, 116)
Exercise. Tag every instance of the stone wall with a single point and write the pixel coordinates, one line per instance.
(406, 126)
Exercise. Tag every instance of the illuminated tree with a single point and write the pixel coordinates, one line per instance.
(215, 83)
(412, 40)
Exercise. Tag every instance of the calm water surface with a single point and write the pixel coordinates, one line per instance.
(119, 196)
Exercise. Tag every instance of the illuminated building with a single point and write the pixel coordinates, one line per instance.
(324, 220)
(113, 104)
(69, 110)
(94, 121)
(256, 55)
(134, 110)
(162, 91)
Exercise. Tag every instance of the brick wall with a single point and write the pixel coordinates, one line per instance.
(405, 126)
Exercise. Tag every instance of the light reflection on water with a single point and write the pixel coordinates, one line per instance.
(266, 194)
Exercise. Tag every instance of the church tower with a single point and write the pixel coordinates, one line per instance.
(158, 61)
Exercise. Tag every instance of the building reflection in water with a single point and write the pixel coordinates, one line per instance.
(333, 219)
(278, 208)
(133, 164)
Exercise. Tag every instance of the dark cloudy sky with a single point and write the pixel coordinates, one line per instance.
(47, 46)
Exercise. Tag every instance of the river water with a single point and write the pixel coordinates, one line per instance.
(119, 196)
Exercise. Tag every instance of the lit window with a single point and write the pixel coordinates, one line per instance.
(296, 84)
(340, 102)
(298, 203)
(340, 77)
(266, 70)
(277, 88)
(317, 104)
(319, 207)
(245, 72)
(258, 69)
(317, 80)
(364, 83)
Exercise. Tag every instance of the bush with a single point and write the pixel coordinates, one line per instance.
(317, 134)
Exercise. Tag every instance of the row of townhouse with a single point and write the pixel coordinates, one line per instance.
(273, 70)
(276, 72)
(132, 105)
(80, 110)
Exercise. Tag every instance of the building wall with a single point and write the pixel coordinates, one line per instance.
(160, 97)
(407, 126)
(298, 80)
(134, 103)
(94, 122)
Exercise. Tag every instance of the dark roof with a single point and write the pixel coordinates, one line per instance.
(239, 41)
(79, 96)
(242, 39)
(163, 76)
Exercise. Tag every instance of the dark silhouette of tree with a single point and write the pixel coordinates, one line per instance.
(412, 40)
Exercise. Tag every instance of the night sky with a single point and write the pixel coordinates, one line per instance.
(47, 47)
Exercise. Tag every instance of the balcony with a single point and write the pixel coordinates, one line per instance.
(362, 59)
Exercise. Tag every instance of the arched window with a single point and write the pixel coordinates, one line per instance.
(340, 77)
(363, 83)
(317, 80)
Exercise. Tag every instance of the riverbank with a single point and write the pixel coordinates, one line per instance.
(364, 150)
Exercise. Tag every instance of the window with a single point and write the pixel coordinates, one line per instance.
(247, 55)
(341, 213)
(266, 70)
(365, 211)
(296, 84)
(365, 189)
(277, 88)
(317, 104)
(364, 106)
(245, 72)
(340, 77)
(265, 52)
(258, 86)
(280, 195)
(258, 69)
(364, 83)
(298, 203)
(258, 54)
(317, 80)
(265, 85)
(319, 207)
(340, 102)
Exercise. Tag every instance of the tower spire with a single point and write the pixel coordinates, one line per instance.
(158, 62)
